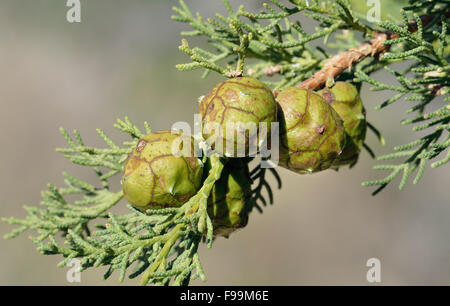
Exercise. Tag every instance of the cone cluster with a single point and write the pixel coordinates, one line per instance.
(317, 131)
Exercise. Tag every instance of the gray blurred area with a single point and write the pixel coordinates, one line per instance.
(120, 60)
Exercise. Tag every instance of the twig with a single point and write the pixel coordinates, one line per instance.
(340, 62)
(345, 60)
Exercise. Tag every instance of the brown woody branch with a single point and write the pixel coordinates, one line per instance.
(345, 60)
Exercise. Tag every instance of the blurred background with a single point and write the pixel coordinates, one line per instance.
(120, 60)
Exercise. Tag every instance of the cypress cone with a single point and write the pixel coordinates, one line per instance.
(155, 178)
(312, 133)
(230, 201)
(232, 107)
(346, 101)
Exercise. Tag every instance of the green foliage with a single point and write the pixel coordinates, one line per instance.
(59, 214)
(161, 244)
(426, 77)
(280, 45)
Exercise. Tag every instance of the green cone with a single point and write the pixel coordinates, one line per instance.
(345, 100)
(230, 201)
(237, 105)
(312, 133)
(155, 178)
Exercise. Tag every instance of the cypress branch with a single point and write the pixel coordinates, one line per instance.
(161, 245)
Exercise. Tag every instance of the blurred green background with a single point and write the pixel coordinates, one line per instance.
(120, 61)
